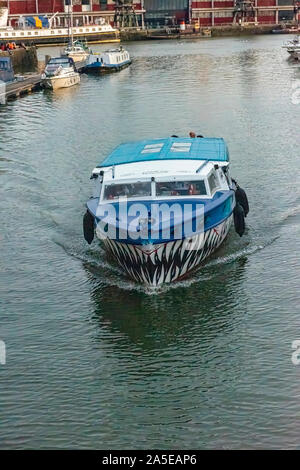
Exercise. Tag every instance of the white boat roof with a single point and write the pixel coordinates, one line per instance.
(156, 169)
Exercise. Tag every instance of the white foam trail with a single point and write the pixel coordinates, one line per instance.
(115, 276)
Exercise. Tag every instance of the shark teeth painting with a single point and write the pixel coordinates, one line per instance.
(170, 261)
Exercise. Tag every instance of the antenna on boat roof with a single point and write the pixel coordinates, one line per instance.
(174, 136)
(113, 171)
(202, 165)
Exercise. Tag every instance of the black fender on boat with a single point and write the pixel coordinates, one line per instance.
(239, 219)
(241, 198)
(88, 227)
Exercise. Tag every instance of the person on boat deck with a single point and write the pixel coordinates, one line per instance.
(192, 135)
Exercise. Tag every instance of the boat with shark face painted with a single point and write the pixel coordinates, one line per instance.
(161, 207)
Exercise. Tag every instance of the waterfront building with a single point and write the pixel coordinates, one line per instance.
(228, 12)
(155, 13)
(85, 12)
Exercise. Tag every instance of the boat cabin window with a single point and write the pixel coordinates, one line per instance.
(181, 188)
(129, 190)
(59, 61)
(213, 182)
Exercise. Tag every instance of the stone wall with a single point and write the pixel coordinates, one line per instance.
(23, 60)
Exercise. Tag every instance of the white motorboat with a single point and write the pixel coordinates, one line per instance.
(293, 47)
(60, 72)
(77, 51)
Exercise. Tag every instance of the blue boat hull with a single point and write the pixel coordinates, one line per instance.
(98, 67)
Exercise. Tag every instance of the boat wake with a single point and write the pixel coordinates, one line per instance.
(99, 267)
(291, 216)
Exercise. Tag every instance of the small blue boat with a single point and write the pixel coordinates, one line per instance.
(112, 60)
(162, 206)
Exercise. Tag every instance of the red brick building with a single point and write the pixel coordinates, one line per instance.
(222, 12)
(84, 11)
(206, 12)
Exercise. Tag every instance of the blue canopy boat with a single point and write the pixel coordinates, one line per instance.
(162, 206)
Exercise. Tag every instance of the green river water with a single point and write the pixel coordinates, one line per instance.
(96, 361)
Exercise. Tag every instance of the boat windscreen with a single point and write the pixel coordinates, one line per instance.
(129, 190)
(59, 61)
(181, 188)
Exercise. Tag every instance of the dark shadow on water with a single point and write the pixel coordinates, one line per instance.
(181, 314)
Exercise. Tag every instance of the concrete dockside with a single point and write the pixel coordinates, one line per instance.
(217, 31)
(22, 59)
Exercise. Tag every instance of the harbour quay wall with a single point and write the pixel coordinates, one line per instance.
(132, 34)
(236, 30)
(22, 59)
(215, 31)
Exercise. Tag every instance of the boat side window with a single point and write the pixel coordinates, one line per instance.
(129, 190)
(213, 182)
(181, 188)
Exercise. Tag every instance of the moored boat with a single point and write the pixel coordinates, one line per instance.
(48, 36)
(60, 72)
(161, 207)
(77, 50)
(293, 47)
(110, 61)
